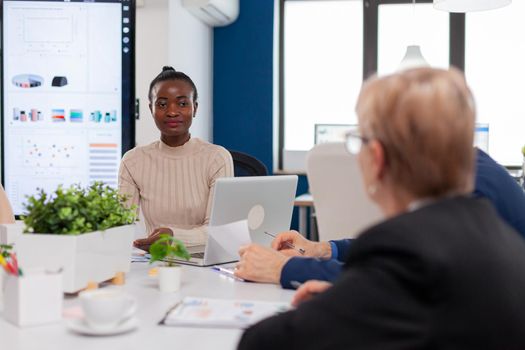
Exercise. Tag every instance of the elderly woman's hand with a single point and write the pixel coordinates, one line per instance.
(144, 243)
(308, 290)
(284, 242)
(260, 264)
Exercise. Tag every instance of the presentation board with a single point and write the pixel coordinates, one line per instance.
(67, 93)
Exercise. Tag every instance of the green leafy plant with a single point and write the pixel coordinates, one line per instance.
(77, 210)
(5, 250)
(167, 246)
(523, 151)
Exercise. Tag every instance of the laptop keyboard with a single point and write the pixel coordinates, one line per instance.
(197, 255)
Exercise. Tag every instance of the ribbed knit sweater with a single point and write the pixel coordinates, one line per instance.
(173, 186)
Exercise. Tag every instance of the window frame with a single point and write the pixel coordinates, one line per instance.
(370, 53)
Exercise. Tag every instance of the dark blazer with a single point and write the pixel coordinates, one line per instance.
(450, 275)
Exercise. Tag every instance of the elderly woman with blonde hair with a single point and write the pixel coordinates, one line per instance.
(443, 270)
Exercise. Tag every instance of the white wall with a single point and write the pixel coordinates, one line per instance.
(190, 51)
(152, 47)
(166, 34)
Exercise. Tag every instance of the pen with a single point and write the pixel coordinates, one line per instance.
(288, 244)
(168, 312)
(226, 271)
(295, 284)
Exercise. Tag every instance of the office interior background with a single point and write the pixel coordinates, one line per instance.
(285, 65)
(283, 77)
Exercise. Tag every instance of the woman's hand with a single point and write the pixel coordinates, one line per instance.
(144, 243)
(308, 290)
(284, 241)
(260, 264)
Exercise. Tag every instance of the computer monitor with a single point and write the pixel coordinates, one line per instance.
(332, 132)
(481, 137)
(265, 201)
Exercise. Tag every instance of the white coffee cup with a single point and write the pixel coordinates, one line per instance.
(106, 308)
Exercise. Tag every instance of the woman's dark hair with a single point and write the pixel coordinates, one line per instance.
(169, 73)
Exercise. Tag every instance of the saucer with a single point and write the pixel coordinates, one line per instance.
(80, 326)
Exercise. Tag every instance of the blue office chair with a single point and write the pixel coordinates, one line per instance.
(247, 165)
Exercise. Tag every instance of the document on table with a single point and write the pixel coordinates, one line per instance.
(221, 313)
(139, 255)
(229, 237)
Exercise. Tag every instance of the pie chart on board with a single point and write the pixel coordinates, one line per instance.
(27, 80)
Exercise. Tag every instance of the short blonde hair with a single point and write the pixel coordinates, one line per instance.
(424, 118)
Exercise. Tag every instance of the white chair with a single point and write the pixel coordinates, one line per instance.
(342, 207)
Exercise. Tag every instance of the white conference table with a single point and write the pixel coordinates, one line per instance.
(151, 307)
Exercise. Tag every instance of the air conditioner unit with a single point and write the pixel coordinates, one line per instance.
(215, 13)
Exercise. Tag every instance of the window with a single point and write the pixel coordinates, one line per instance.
(323, 70)
(401, 25)
(495, 71)
(327, 48)
(345, 40)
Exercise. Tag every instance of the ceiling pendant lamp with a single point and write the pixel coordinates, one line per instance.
(469, 5)
(413, 59)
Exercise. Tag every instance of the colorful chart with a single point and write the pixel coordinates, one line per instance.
(27, 80)
(104, 163)
(76, 116)
(49, 153)
(106, 117)
(58, 115)
(33, 115)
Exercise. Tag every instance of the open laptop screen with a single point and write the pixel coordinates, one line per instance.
(332, 132)
(265, 201)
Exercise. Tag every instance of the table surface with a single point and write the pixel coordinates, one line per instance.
(304, 200)
(151, 307)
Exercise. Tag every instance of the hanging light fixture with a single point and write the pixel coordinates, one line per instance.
(469, 5)
(413, 57)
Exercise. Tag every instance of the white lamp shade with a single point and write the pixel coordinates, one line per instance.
(469, 5)
(413, 59)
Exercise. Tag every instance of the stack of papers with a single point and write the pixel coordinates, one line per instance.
(139, 255)
(221, 313)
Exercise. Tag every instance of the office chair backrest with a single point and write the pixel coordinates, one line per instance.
(247, 165)
(342, 207)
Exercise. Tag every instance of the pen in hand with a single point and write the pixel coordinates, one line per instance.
(288, 244)
(227, 272)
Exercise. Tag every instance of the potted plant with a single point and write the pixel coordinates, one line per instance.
(86, 232)
(165, 249)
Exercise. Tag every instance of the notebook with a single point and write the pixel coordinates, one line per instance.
(221, 313)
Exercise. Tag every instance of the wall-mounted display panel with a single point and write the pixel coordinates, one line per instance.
(67, 93)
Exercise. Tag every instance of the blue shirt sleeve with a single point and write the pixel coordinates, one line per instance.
(342, 248)
(494, 183)
(299, 270)
(335, 251)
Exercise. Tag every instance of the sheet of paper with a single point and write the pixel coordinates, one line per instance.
(139, 255)
(221, 313)
(231, 236)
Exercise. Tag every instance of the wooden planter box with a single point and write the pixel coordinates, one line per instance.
(89, 257)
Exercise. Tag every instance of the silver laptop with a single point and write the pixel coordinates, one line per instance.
(266, 202)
